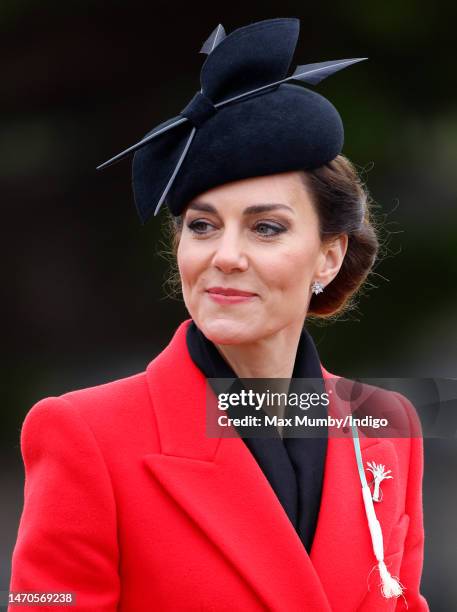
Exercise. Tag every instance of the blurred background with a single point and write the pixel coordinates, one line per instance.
(84, 294)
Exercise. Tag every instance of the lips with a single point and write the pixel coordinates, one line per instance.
(229, 291)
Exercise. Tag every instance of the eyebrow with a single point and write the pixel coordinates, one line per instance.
(250, 210)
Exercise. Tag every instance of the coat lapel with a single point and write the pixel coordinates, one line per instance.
(218, 483)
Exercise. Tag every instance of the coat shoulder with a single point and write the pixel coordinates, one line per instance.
(374, 400)
(115, 406)
(111, 395)
(119, 413)
(111, 410)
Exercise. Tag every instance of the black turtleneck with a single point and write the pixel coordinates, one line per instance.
(293, 466)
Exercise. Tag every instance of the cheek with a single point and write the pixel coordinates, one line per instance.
(191, 262)
(186, 264)
(290, 270)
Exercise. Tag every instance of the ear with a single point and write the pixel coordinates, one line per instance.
(330, 259)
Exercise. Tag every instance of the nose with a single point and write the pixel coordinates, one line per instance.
(230, 252)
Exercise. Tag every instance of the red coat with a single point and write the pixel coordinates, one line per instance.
(130, 506)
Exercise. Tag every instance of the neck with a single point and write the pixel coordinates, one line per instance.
(269, 357)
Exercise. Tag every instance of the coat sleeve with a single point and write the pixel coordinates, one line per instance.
(413, 557)
(67, 537)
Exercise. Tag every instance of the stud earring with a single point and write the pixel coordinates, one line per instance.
(317, 287)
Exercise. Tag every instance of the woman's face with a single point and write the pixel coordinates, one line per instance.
(260, 236)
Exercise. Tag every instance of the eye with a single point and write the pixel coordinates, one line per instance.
(198, 226)
(269, 229)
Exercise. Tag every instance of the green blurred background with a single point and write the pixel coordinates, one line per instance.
(83, 281)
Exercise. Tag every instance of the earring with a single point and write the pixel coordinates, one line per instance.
(317, 287)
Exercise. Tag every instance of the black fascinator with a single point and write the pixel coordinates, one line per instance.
(248, 119)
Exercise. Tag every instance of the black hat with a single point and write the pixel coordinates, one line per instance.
(247, 120)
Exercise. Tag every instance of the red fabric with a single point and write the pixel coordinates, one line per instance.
(129, 505)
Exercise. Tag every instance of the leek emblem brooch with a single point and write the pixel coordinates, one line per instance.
(379, 474)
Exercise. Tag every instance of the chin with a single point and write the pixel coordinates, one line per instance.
(227, 330)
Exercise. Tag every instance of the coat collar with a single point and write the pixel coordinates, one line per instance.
(218, 483)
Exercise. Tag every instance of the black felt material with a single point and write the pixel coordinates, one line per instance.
(290, 128)
(281, 128)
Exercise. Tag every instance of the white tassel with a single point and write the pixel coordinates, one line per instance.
(391, 587)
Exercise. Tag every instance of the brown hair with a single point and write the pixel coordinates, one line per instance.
(344, 206)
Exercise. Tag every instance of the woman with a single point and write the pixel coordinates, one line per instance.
(129, 504)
